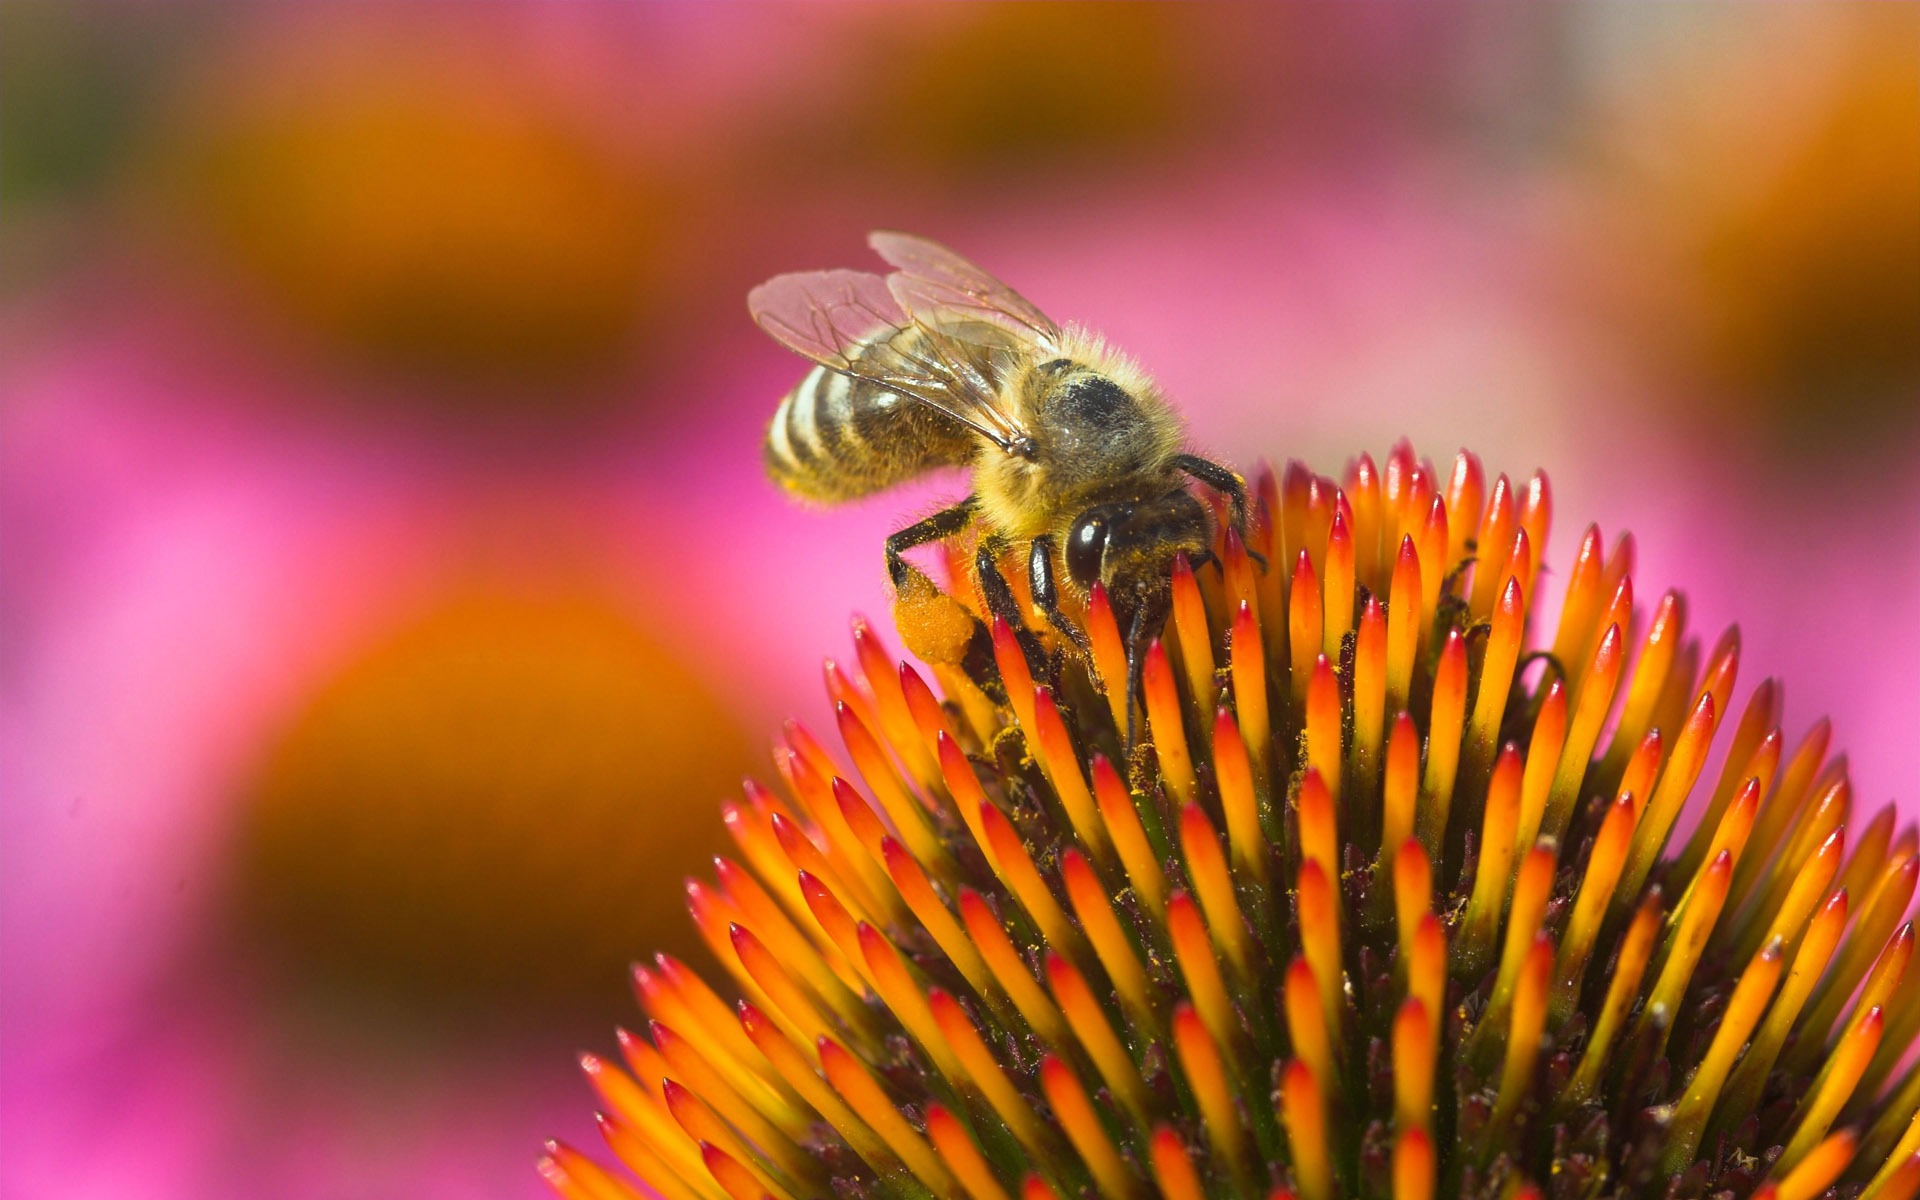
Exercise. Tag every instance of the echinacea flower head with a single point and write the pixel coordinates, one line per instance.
(1403, 890)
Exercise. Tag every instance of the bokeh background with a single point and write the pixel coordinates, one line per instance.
(390, 587)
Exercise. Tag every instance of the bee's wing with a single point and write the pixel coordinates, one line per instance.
(827, 316)
(931, 279)
(850, 321)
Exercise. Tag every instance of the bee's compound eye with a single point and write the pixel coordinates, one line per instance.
(1086, 546)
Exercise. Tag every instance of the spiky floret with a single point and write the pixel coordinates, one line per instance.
(1387, 904)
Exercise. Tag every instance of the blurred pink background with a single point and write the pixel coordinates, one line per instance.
(391, 586)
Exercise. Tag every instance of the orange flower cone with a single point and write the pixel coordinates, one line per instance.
(1388, 901)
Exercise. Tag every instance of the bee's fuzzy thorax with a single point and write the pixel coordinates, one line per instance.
(1088, 452)
(1086, 346)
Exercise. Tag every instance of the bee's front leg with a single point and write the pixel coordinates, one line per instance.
(1220, 479)
(1046, 593)
(1002, 603)
(1227, 483)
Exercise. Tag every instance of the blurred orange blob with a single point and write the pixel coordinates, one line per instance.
(424, 199)
(489, 807)
(1814, 264)
(1781, 172)
(1033, 86)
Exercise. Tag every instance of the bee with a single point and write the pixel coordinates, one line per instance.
(1072, 449)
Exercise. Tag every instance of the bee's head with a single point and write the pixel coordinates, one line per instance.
(1129, 545)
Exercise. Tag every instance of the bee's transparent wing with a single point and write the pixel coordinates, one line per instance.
(932, 283)
(850, 321)
(827, 316)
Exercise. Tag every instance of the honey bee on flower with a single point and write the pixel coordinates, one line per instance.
(1075, 456)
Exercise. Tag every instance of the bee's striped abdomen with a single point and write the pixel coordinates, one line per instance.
(837, 438)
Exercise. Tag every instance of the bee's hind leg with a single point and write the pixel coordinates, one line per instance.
(943, 524)
(1046, 594)
(915, 593)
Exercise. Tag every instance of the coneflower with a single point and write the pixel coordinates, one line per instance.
(1388, 901)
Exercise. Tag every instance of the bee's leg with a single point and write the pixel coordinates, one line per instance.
(1149, 618)
(945, 523)
(976, 660)
(1221, 480)
(1047, 595)
(1136, 664)
(1228, 484)
(1002, 603)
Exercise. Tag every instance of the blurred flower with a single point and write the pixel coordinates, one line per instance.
(472, 810)
(307, 732)
(1028, 89)
(416, 196)
(1455, 938)
(959, 103)
(1770, 181)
